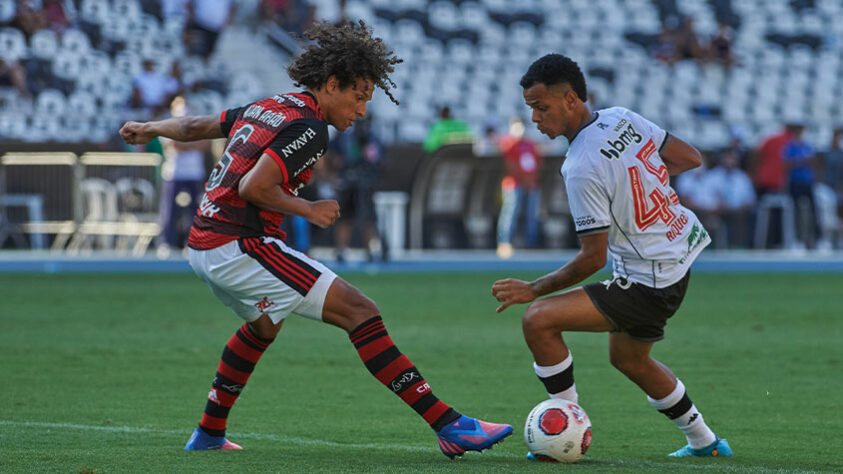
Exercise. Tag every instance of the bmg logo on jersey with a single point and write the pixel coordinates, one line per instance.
(627, 137)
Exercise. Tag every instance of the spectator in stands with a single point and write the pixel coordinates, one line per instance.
(688, 43)
(520, 188)
(800, 159)
(13, 74)
(55, 15)
(206, 20)
(665, 48)
(29, 17)
(447, 130)
(489, 143)
(293, 16)
(833, 168)
(736, 197)
(720, 46)
(152, 91)
(770, 173)
(698, 191)
(358, 151)
(184, 172)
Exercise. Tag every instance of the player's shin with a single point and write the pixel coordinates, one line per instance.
(239, 357)
(394, 370)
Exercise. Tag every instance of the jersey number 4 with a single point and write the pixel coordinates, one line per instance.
(242, 135)
(658, 207)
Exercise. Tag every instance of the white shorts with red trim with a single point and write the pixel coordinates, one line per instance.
(261, 275)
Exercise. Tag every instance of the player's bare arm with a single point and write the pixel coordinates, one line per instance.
(590, 259)
(679, 156)
(261, 186)
(183, 129)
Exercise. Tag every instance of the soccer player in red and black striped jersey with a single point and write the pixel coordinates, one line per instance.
(237, 248)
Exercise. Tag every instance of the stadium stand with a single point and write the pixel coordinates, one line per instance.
(773, 61)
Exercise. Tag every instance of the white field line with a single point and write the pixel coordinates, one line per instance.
(394, 447)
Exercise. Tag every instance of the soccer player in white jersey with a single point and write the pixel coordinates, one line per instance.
(617, 177)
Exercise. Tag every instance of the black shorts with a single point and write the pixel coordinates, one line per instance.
(357, 204)
(635, 309)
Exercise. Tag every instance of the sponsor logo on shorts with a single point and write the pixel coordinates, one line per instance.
(264, 304)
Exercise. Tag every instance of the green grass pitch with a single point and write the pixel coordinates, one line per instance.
(109, 373)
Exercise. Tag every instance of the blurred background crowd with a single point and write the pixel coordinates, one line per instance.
(754, 84)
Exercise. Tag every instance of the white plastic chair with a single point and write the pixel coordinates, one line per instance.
(75, 42)
(95, 11)
(44, 44)
(443, 15)
(12, 44)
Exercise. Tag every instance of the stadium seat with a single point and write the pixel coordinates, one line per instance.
(444, 15)
(51, 102)
(75, 42)
(44, 44)
(96, 11)
(12, 44)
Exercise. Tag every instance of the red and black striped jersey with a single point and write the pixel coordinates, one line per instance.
(290, 129)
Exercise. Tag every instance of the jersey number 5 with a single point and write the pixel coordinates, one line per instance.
(242, 135)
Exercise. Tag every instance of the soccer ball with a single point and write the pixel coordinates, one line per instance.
(557, 431)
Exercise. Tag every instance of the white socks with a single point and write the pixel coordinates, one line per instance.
(679, 408)
(558, 379)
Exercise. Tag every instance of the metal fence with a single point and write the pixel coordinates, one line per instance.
(77, 204)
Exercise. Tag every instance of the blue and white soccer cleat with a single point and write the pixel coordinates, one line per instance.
(720, 447)
(201, 441)
(469, 434)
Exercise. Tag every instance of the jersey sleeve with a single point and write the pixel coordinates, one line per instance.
(298, 145)
(228, 117)
(589, 204)
(659, 135)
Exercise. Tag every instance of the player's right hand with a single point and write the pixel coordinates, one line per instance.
(323, 213)
(135, 133)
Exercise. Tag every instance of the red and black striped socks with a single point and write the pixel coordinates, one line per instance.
(239, 357)
(395, 371)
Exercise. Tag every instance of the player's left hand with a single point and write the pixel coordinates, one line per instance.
(511, 291)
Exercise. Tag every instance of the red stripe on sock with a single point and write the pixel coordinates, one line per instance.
(412, 394)
(232, 373)
(247, 332)
(240, 348)
(363, 334)
(213, 422)
(374, 348)
(225, 399)
(364, 328)
(437, 410)
(394, 368)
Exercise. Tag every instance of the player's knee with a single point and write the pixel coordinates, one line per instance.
(264, 328)
(360, 309)
(535, 320)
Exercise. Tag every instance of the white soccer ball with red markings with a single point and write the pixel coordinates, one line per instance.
(557, 431)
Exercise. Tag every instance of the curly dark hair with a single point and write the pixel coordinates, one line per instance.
(555, 69)
(347, 51)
